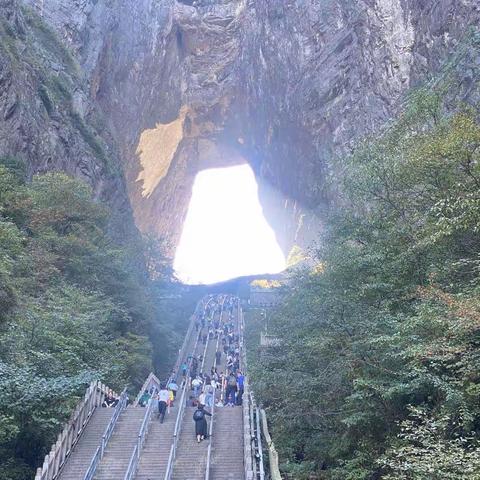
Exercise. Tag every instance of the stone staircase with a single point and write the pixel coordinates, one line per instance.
(227, 447)
(227, 462)
(82, 454)
(156, 450)
(114, 464)
(191, 458)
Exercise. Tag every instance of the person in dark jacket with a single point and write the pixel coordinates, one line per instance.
(201, 426)
(110, 401)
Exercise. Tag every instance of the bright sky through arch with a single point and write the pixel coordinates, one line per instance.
(225, 234)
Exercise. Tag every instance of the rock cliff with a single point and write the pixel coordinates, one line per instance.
(47, 117)
(185, 85)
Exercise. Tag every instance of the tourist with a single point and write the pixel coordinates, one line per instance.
(173, 387)
(144, 399)
(240, 383)
(163, 399)
(110, 401)
(171, 399)
(184, 369)
(231, 388)
(196, 385)
(209, 392)
(201, 426)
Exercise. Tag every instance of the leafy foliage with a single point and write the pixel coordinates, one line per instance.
(73, 309)
(377, 373)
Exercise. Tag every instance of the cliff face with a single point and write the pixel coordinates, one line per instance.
(283, 85)
(47, 117)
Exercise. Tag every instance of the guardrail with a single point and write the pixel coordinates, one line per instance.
(180, 414)
(151, 381)
(209, 451)
(255, 449)
(254, 467)
(142, 434)
(272, 451)
(182, 351)
(178, 422)
(210, 431)
(122, 404)
(70, 435)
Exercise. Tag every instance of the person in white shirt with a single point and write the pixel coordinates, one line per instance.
(196, 384)
(209, 392)
(163, 398)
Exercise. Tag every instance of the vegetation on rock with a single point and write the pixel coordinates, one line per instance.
(74, 307)
(377, 375)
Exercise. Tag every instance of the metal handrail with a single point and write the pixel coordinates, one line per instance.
(176, 431)
(152, 380)
(56, 459)
(209, 450)
(106, 436)
(181, 412)
(248, 413)
(135, 458)
(181, 352)
(259, 443)
(94, 464)
(210, 431)
(133, 464)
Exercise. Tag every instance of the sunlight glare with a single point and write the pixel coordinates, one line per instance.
(225, 234)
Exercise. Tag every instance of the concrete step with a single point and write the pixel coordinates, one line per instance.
(155, 454)
(227, 461)
(191, 456)
(120, 447)
(156, 450)
(82, 454)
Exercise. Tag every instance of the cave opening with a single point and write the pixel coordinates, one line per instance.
(225, 234)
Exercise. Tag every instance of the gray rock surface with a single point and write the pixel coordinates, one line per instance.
(47, 117)
(282, 84)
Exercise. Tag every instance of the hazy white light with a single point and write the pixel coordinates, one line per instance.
(225, 233)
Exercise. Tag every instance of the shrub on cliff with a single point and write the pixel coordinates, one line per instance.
(72, 309)
(378, 372)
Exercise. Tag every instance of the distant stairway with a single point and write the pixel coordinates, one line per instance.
(79, 447)
(119, 449)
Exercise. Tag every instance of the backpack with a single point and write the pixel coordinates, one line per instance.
(198, 415)
(232, 382)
